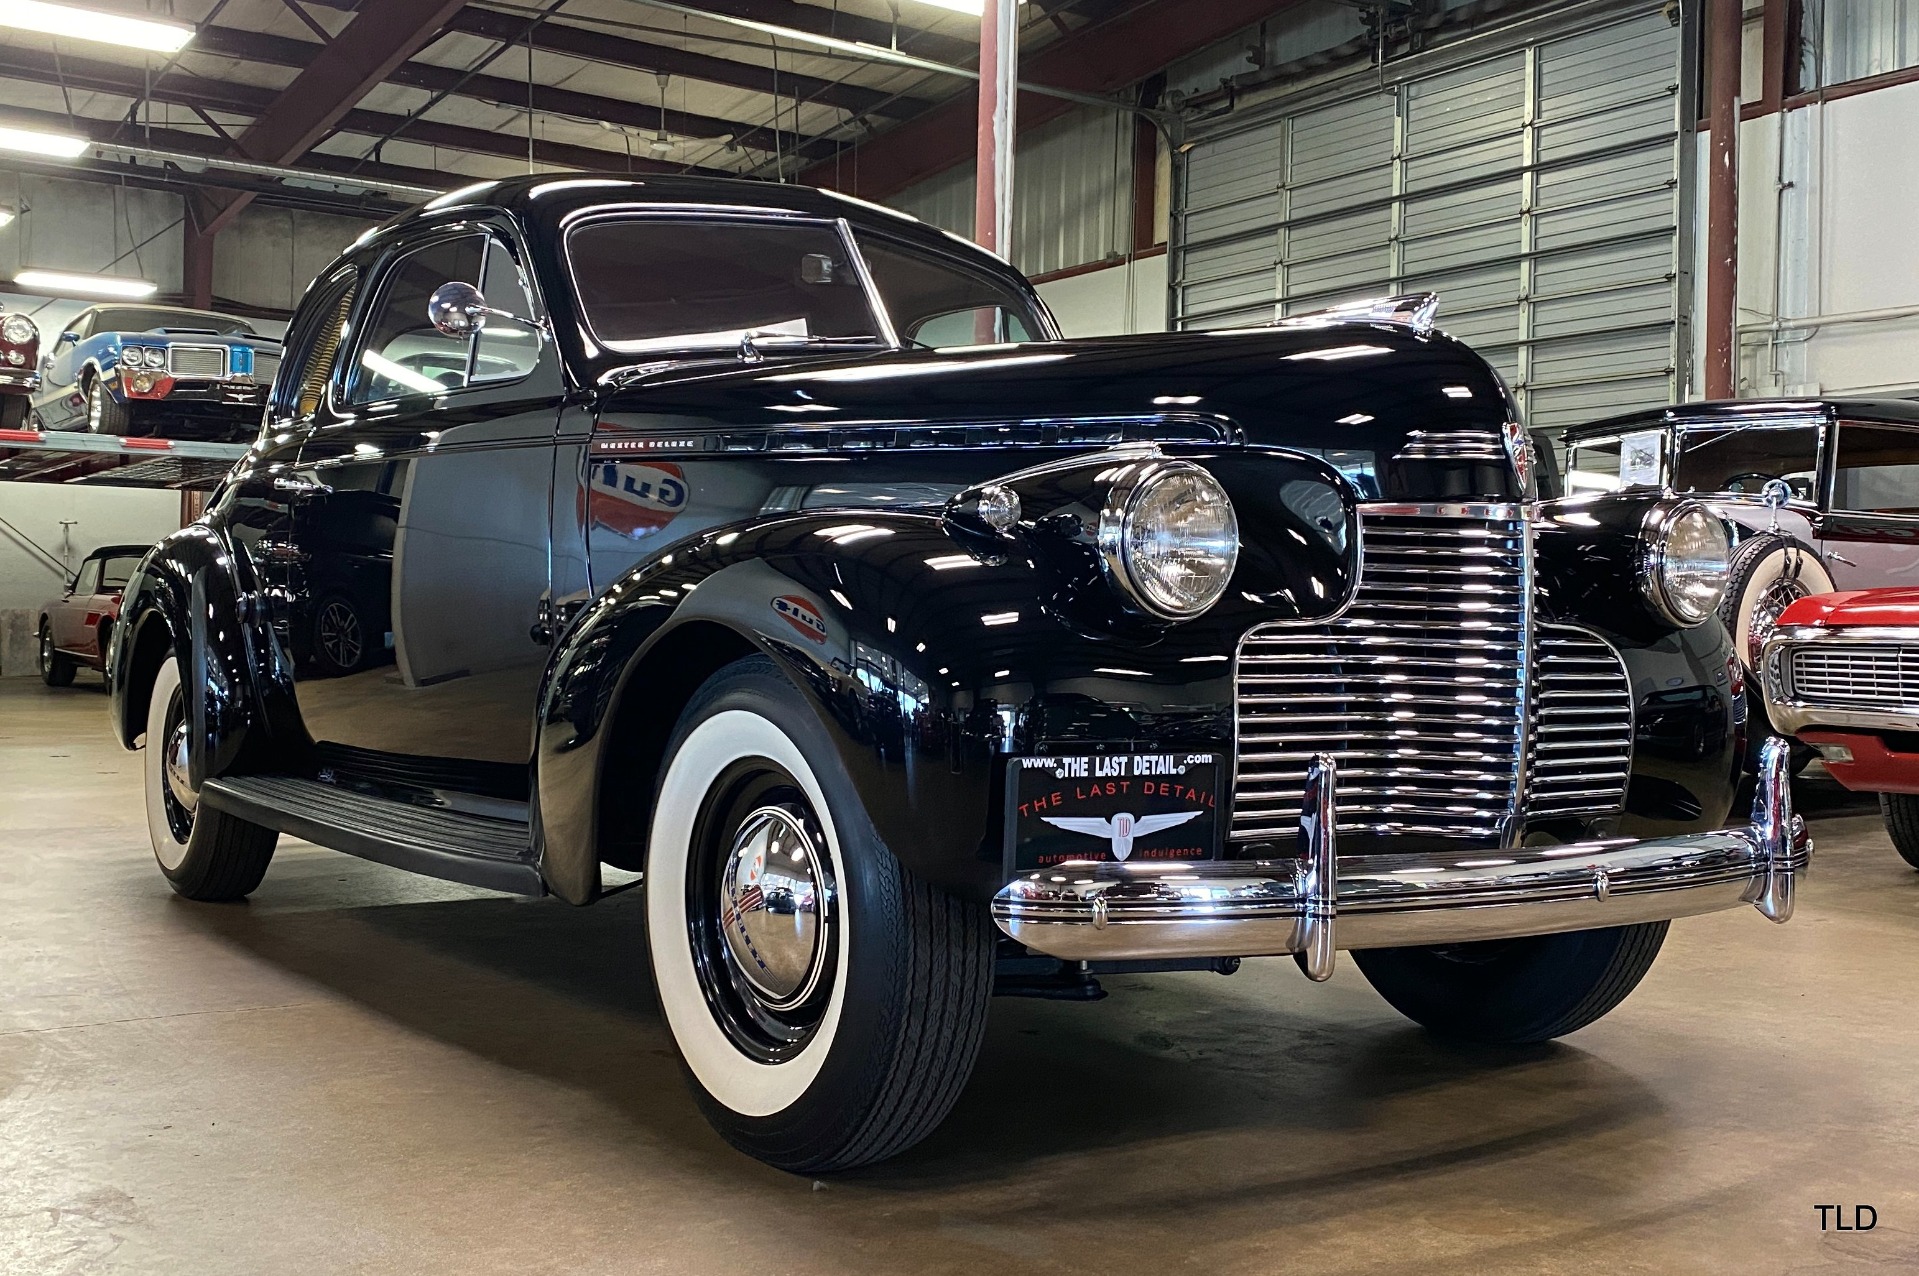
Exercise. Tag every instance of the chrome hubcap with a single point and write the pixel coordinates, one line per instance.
(1771, 605)
(176, 769)
(775, 896)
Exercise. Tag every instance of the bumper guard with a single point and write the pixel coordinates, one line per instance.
(1314, 905)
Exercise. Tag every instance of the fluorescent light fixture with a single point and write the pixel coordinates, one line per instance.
(1456, 391)
(399, 374)
(54, 281)
(92, 24)
(32, 141)
(974, 7)
(1000, 618)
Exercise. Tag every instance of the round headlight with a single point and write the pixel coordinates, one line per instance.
(156, 357)
(17, 330)
(1168, 538)
(1684, 557)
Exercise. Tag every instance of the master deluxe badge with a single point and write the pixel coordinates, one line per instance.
(1113, 806)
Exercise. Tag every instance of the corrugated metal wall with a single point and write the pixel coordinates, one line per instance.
(1858, 38)
(1072, 193)
(1535, 187)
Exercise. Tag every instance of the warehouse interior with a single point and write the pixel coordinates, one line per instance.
(1621, 205)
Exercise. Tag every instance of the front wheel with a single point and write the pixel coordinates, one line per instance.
(827, 1005)
(105, 414)
(1902, 823)
(56, 670)
(1514, 991)
(204, 854)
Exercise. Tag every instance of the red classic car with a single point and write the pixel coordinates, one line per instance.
(1842, 674)
(19, 366)
(75, 627)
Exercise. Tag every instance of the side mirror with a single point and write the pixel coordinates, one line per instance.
(68, 339)
(457, 309)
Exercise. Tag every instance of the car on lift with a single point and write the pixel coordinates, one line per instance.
(74, 628)
(1841, 673)
(156, 370)
(1821, 494)
(19, 366)
(778, 547)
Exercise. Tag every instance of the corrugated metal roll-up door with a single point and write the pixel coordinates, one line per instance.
(1535, 184)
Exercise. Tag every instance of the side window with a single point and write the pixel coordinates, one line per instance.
(1877, 470)
(89, 580)
(400, 353)
(313, 347)
(1593, 466)
(505, 351)
(934, 304)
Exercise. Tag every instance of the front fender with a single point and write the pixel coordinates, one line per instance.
(928, 656)
(184, 600)
(1689, 706)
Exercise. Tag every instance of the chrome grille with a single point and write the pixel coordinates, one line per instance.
(265, 367)
(1581, 746)
(207, 363)
(1852, 675)
(1418, 689)
(1453, 445)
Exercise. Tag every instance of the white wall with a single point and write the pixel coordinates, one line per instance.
(1130, 297)
(33, 514)
(1829, 265)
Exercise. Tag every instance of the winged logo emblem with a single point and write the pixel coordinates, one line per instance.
(1122, 828)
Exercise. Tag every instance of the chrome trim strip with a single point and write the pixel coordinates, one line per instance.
(1243, 908)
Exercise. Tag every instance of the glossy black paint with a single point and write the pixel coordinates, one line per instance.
(566, 555)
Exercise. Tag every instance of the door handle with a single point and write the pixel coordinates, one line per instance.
(1837, 557)
(303, 487)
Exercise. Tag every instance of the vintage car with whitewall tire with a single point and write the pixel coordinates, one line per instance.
(1841, 674)
(777, 547)
(1820, 494)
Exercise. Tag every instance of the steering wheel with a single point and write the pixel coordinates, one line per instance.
(1762, 477)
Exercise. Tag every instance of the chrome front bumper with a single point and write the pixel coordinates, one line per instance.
(1314, 905)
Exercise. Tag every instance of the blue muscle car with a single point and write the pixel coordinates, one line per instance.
(157, 370)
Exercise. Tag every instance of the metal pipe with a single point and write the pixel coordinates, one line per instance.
(110, 150)
(998, 110)
(1722, 198)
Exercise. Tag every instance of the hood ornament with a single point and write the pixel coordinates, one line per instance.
(1414, 311)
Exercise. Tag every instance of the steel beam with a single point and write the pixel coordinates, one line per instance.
(1723, 36)
(997, 125)
(1098, 60)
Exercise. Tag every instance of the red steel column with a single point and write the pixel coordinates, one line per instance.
(1722, 199)
(998, 100)
(196, 274)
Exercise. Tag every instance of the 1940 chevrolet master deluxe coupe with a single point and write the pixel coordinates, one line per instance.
(777, 546)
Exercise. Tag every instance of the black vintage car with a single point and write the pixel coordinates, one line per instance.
(777, 546)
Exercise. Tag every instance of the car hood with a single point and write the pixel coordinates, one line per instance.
(192, 338)
(1881, 607)
(1353, 389)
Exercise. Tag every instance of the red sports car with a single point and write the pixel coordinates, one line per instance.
(74, 628)
(1842, 674)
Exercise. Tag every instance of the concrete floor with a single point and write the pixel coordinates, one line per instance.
(361, 1071)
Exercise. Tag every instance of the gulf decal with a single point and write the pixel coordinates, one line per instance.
(801, 613)
(634, 498)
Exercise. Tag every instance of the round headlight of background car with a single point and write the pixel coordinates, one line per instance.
(155, 357)
(17, 330)
(1685, 554)
(1168, 538)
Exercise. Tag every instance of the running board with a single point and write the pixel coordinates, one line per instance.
(494, 854)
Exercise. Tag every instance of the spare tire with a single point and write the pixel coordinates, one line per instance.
(1769, 573)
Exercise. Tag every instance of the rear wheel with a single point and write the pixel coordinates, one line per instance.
(826, 1004)
(56, 670)
(1514, 991)
(204, 854)
(1902, 823)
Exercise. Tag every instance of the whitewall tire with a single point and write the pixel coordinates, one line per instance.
(827, 1005)
(204, 854)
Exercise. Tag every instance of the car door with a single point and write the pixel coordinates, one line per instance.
(1868, 534)
(420, 526)
(68, 618)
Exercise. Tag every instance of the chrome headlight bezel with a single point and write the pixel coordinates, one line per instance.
(1657, 563)
(18, 330)
(1125, 497)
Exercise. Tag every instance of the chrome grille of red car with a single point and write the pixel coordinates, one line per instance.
(1856, 675)
(208, 363)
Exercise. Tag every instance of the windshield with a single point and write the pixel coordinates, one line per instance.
(934, 303)
(1742, 460)
(147, 318)
(661, 283)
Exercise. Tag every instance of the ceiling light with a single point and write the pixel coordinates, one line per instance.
(55, 282)
(35, 142)
(661, 144)
(974, 7)
(1456, 391)
(92, 24)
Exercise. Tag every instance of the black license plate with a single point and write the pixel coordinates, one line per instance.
(1130, 807)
